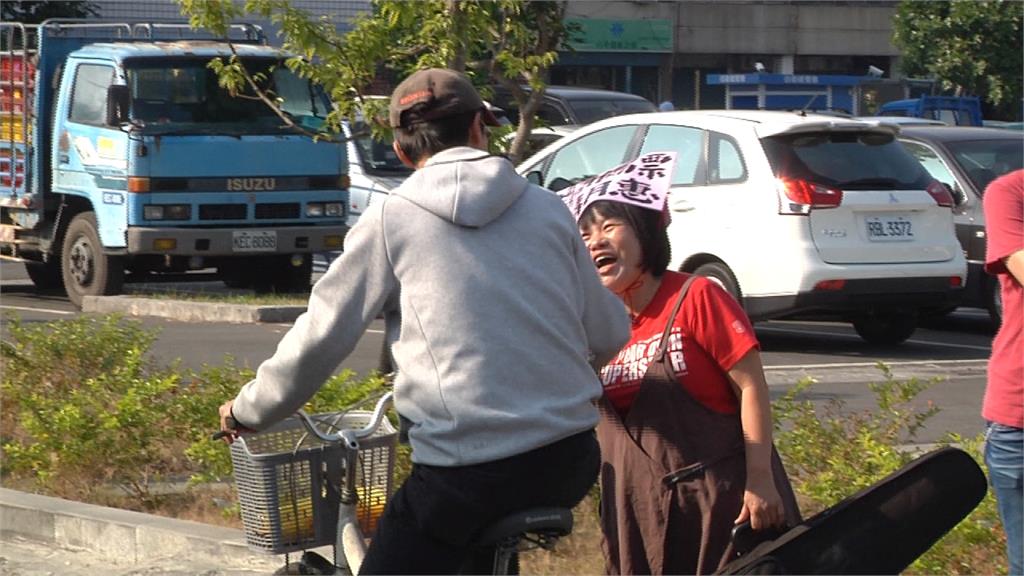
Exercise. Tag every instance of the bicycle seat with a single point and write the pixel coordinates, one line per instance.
(555, 521)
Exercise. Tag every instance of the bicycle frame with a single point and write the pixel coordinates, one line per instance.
(350, 545)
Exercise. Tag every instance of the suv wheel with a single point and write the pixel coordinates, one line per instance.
(994, 302)
(885, 329)
(720, 274)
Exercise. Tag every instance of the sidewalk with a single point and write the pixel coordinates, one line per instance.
(44, 535)
(191, 311)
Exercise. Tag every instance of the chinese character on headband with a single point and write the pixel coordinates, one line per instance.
(642, 182)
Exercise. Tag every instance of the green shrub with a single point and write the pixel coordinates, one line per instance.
(83, 408)
(831, 453)
(213, 385)
(205, 391)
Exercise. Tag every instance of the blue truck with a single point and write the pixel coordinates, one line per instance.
(121, 158)
(953, 110)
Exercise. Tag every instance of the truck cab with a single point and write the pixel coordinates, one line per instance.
(951, 110)
(137, 163)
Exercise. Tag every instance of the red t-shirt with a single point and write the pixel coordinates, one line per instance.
(1004, 224)
(710, 334)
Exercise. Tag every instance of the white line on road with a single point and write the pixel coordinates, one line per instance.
(45, 310)
(872, 364)
(814, 333)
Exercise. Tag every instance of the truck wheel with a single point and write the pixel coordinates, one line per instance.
(720, 274)
(87, 270)
(885, 329)
(236, 275)
(46, 275)
(279, 275)
(292, 279)
(994, 301)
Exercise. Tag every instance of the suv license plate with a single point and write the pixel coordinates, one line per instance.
(889, 228)
(254, 241)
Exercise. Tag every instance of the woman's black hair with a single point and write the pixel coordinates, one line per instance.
(424, 139)
(647, 224)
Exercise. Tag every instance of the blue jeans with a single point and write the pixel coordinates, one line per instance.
(1004, 457)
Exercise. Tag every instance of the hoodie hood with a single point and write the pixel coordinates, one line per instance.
(465, 186)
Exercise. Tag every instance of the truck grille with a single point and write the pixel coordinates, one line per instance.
(222, 212)
(278, 210)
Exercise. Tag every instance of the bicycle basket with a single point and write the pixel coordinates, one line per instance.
(289, 482)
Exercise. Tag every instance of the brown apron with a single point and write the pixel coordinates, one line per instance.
(673, 475)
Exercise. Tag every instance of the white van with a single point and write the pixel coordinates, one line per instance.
(797, 215)
(374, 170)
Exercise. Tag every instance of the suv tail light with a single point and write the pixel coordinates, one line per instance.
(940, 193)
(798, 196)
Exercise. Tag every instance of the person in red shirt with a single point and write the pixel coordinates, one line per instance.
(1003, 406)
(685, 429)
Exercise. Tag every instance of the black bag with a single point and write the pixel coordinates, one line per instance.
(879, 530)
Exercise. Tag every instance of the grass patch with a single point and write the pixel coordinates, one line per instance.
(228, 298)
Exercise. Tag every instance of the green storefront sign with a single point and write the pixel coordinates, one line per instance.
(595, 35)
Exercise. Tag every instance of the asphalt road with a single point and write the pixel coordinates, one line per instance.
(954, 348)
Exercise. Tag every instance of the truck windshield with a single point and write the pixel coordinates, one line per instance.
(184, 91)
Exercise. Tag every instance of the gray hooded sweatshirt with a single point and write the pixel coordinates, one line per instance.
(499, 312)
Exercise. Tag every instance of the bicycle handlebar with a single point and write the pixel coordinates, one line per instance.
(350, 437)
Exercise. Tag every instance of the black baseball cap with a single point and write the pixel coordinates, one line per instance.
(437, 93)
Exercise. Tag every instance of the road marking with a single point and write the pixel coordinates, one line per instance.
(852, 336)
(46, 310)
(872, 364)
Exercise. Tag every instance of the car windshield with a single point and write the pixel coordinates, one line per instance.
(846, 160)
(184, 93)
(377, 157)
(985, 160)
(588, 111)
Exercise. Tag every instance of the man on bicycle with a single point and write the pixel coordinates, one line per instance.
(496, 317)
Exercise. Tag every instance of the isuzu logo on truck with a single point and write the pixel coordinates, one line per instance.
(251, 184)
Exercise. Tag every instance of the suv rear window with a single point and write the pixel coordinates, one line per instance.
(847, 160)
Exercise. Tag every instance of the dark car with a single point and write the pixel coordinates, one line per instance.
(573, 105)
(966, 159)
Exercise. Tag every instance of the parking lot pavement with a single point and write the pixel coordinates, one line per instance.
(21, 557)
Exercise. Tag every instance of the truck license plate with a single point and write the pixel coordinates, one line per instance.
(889, 228)
(254, 241)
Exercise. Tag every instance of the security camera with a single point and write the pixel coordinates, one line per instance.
(875, 72)
(759, 66)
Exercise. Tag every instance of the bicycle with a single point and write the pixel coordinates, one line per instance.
(297, 491)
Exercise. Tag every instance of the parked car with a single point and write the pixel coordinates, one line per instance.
(797, 216)
(1004, 125)
(903, 120)
(575, 105)
(539, 138)
(374, 170)
(966, 159)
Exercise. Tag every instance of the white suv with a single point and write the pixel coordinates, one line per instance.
(796, 215)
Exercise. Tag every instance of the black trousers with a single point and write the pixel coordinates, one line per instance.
(430, 524)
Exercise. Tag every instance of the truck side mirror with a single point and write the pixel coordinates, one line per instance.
(118, 101)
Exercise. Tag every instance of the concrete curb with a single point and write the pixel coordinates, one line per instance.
(122, 536)
(189, 311)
